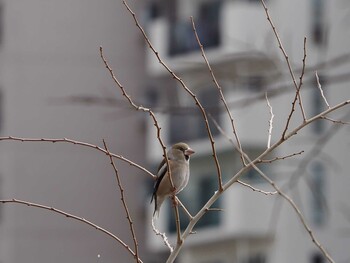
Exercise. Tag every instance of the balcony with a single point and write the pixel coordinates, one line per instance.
(229, 31)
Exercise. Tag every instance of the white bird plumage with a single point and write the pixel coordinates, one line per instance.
(178, 158)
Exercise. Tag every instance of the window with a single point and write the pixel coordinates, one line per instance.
(159, 8)
(317, 258)
(256, 258)
(181, 36)
(154, 10)
(318, 27)
(318, 206)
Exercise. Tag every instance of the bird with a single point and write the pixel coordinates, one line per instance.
(178, 159)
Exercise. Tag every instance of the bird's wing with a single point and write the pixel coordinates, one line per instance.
(160, 175)
(161, 166)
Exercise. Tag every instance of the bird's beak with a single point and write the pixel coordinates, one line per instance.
(189, 151)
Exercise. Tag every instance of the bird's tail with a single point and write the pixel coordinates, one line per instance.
(158, 201)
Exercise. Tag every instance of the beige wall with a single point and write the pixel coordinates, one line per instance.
(51, 51)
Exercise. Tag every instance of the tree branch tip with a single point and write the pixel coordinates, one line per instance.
(214, 209)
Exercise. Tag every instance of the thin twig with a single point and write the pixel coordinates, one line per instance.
(214, 209)
(321, 90)
(122, 197)
(162, 235)
(222, 97)
(336, 121)
(281, 158)
(297, 94)
(70, 141)
(270, 121)
(321, 115)
(184, 86)
(297, 87)
(256, 189)
(68, 215)
(184, 208)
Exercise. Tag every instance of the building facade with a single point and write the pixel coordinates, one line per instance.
(245, 57)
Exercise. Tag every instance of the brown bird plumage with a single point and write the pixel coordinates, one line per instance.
(178, 158)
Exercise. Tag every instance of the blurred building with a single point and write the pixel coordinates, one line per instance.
(244, 54)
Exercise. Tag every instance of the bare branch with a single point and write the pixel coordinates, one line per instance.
(297, 94)
(321, 115)
(184, 208)
(65, 140)
(321, 91)
(336, 121)
(162, 235)
(68, 215)
(213, 209)
(270, 122)
(256, 189)
(297, 87)
(122, 197)
(281, 158)
(222, 97)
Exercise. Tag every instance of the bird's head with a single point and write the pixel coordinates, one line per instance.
(182, 148)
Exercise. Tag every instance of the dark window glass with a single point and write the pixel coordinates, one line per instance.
(181, 36)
